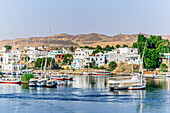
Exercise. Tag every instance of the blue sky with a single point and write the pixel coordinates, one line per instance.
(35, 17)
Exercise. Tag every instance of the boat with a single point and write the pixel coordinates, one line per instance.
(68, 77)
(10, 81)
(142, 84)
(33, 82)
(140, 87)
(51, 84)
(41, 83)
(104, 73)
(85, 73)
(62, 77)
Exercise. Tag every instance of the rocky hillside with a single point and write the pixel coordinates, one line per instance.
(66, 40)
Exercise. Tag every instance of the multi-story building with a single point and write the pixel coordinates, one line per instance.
(128, 55)
(35, 52)
(11, 60)
(84, 57)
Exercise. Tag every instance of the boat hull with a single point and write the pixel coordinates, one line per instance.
(101, 74)
(51, 86)
(137, 88)
(32, 85)
(10, 82)
(118, 88)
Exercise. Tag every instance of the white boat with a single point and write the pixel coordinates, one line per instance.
(33, 82)
(140, 87)
(10, 81)
(41, 83)
(142, 84)
(104, 73)
(51, 84)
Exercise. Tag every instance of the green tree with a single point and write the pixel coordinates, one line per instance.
(125, 45)
(101, 67)
(163, 67)
(96, 51)
(117, 46)
(68, 58)
(72, 49)
(135, 45)
(112, 65)
(86, 66)
(95, 67)
(108, 48)
(93, 62)
(99, 47)
(50, 60)
(26, 77)
(8, 47)
(26, 58)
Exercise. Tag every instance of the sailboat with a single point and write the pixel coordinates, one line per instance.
(142, 83)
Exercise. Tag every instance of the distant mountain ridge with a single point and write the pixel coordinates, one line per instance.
(66, 40)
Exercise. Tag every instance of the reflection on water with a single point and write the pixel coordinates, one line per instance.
(87, 94)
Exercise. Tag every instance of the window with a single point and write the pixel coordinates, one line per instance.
(100, 58)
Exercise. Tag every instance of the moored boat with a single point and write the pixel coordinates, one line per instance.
(140, 87)
(51, 84)
(41, 83)
(33, 82)
(10, 81)
(104, 73)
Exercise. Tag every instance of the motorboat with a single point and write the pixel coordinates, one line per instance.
(33, 82)
(51, 84)
(41, 83)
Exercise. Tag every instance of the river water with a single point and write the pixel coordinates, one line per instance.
(85, 94)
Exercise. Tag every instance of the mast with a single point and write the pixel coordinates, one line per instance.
(27, 55)
(168, 58)
(142, 62)
(45, 68)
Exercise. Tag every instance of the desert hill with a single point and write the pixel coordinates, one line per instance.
(66, 40)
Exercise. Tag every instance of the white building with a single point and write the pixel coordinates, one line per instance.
(128, 55)
(84, 57)
(34, 53)
(11, 60)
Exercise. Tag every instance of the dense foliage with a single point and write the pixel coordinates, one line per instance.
(95, 67)
(26, 77)
(49, 60)
(68, 58)
(112, 65)
(8, 47)
(155, 46)
(163, 67)
(26, 58)
(117, 46)
(125, 45)
(108, 48)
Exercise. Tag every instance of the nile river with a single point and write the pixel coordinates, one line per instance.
(85, 94)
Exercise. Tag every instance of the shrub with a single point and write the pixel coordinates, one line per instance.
(163, 67)
(101, 67)
(112, 65)
(26, 77)
(123, 68)
(86, 66)
(95, 67)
